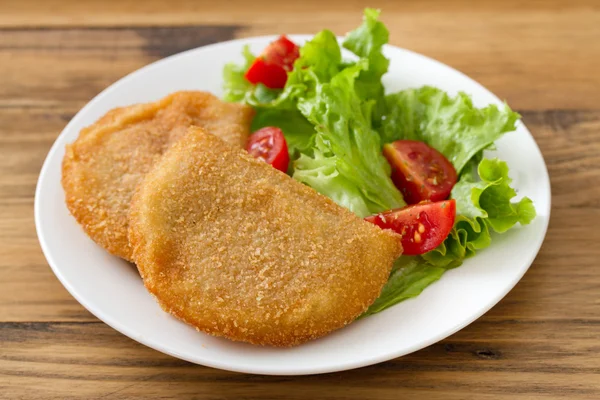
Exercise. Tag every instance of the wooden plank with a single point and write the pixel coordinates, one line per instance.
(51, 67)
(570, 143)
(190, 12)
(480, 43)
(501, 359)
(131, 41)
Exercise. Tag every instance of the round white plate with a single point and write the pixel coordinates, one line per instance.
(111, 289)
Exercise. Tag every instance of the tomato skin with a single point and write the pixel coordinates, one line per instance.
(272, 66)
(282, 52)
(420, 172)
(270, 75)
(423, 226)
(269, 145)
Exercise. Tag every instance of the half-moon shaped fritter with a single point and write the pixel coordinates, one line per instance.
(102, 168)
(238, 249)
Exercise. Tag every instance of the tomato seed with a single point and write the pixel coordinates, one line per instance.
(417, 237)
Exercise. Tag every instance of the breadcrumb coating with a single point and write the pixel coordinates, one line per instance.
(238, 249)
(102, 168)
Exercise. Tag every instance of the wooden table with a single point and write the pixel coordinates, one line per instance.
(541, 341)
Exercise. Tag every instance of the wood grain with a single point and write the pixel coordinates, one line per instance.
(507, 47)
(505, 364)
(540, 342)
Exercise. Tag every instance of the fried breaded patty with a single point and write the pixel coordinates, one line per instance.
(238, 249)
(102, 168)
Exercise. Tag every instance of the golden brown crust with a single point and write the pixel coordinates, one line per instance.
(102, 168)
(238, 249)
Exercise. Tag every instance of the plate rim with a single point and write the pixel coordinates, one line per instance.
(260, 369)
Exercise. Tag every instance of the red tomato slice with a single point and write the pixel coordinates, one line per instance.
(419, 171)
(269, 145)
(272, 66)
(423, 226)
(282, 52)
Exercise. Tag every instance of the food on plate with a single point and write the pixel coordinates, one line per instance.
(102, 168)
(269, 145)
(238, 249)
(345, 200)
(272, 66)
(423, 226)
(420, 172)
(373, 152)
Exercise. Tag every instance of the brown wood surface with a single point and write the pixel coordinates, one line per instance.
(541, 341)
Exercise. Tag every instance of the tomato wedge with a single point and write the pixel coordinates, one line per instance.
(419, 171)
(269, 144)
(423, 226)
(272, 66)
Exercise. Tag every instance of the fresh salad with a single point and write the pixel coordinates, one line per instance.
(411, 161)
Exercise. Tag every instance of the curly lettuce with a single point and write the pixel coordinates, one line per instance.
(451, 125)
(483, 204)
(235, 85)
(367, 42)
(336, 117)
(346, 163)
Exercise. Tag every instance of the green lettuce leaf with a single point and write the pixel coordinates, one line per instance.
(483, 204)
(322, 54)
(346, 163)
(451, 125)
(367, 42)
(409, 277)
(235, 85)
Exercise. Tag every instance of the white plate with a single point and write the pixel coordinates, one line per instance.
(112, 290)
